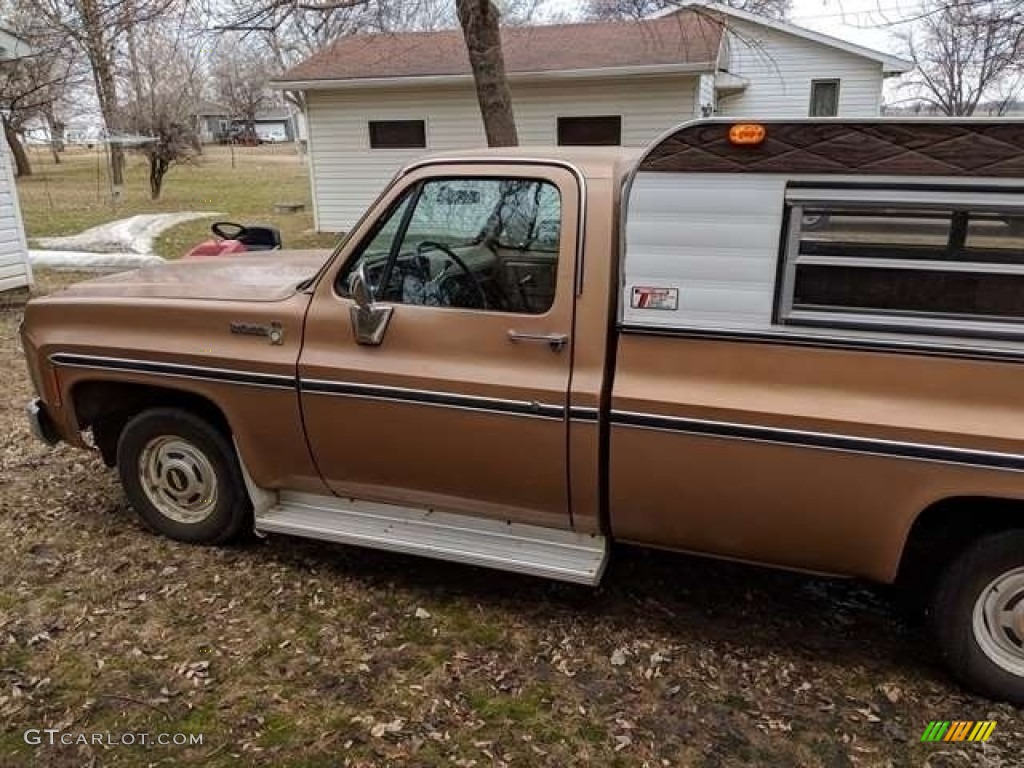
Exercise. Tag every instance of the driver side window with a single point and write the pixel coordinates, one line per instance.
(469, 243)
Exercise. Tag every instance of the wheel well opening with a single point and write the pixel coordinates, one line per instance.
(945, 528)
(104, 407)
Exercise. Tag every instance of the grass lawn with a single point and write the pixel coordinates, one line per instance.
(67, 198)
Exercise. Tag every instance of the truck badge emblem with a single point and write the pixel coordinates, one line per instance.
(273, 331)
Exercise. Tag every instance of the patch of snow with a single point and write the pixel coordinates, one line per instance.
(84, 261)
(134, 234)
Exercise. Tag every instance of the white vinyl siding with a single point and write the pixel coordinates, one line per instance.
(347, 175)
(780, 67)
(14, 267)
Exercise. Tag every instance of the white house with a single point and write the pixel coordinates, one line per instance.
(15, 271)
(376, 101)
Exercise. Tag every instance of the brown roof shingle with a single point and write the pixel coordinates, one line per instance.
(681, 38)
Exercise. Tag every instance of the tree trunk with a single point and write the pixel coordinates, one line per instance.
(117, 164)
(106, 96)
(479, 20)
(56, 129)
(22, 167)
(157, 170)
(99, 53)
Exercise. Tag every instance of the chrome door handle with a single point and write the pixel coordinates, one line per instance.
(556, 341)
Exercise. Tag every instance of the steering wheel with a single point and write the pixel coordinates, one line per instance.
(228, 230)
(428, 245)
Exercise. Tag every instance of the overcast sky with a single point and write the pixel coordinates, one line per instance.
(871, 23)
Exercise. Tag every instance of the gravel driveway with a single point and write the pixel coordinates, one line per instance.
(283, 652)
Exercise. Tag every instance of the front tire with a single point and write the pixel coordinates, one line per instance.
(978, 616)
(182, 477)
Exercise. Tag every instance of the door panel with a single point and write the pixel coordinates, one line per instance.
(449, 412)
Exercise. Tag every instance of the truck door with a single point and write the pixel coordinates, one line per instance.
(462, 406)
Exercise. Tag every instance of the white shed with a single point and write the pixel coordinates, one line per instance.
(15, 270)
(374, 102)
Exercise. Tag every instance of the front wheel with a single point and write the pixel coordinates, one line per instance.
(182, 477)
(978, 616)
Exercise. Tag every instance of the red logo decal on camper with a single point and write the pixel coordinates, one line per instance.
(655, 298)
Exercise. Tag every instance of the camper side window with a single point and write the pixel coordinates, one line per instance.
(949, 268)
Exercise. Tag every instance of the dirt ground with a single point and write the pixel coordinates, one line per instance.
(283, 652)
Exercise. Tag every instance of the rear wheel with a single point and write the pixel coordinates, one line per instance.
(182, 477)
(978, 616)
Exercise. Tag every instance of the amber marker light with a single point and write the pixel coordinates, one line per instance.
(747, 133)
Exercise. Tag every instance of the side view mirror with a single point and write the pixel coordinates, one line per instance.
(359, 287)
(369, 319)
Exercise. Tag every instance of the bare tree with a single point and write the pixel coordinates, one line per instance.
(30, 87)
(165, 80)
(287, 34)
(98, 28)
(292, 32)
(964, 52)
(608, 10)
(240, 76)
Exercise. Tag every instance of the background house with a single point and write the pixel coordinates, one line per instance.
(214, 122)
(211, 120)
(376, 101)
(275, 124)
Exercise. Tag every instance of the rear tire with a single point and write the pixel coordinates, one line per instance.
(977, 615)
(182, 477)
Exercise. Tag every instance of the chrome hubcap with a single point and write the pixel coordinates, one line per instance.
(999, 621)
(178, 479)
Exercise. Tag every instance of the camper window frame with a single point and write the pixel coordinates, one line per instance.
(908, 323)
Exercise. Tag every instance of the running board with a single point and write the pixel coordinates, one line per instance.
(530, 549)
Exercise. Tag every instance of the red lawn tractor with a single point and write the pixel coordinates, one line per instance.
(232, 239)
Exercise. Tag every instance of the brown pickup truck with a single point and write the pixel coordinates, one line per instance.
(790, 343)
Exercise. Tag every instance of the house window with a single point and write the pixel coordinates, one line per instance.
(824, 98)
(603, 131)
(398, 134)
(954, 268)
